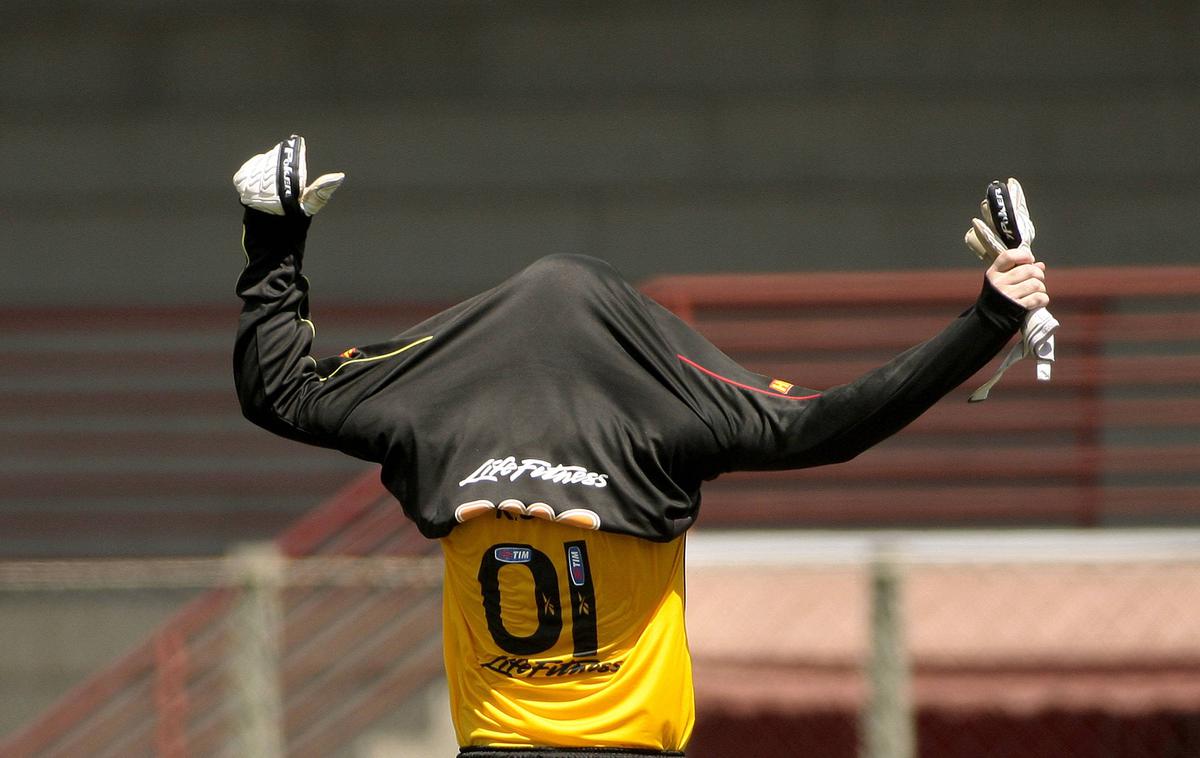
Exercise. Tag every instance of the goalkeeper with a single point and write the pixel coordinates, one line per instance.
(553, 434)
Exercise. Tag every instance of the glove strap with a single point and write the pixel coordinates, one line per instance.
(288, 182)
(1004, 214)
(1037, 339)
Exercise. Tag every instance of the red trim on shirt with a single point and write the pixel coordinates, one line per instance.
(715, 375)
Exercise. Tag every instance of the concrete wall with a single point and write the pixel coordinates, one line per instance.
(664, 136)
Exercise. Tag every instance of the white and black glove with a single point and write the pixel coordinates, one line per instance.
(276, 181)
(1006, 224)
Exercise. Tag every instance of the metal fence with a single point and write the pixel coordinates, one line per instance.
(277, 656)
(865, 645)
(989, 645)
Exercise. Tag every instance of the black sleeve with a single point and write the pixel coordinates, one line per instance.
(279, 385)
(761, 425)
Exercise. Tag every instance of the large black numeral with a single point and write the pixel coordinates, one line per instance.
(583, 599)
(545, 597)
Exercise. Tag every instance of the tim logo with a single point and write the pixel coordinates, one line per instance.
(575, 566)
(513, 554)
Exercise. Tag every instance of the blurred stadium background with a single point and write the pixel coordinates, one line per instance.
(1019, 578)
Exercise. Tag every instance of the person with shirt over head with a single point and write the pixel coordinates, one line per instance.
(553, 434)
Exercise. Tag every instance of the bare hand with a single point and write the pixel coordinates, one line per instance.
(1020, 278)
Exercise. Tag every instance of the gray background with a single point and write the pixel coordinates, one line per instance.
(663, 136)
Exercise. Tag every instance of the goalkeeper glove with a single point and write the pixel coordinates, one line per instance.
(275, 181)
(1006, 224)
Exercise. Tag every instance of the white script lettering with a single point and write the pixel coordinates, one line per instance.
(495, 468)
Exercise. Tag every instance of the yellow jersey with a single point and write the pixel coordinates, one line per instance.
(559, 636)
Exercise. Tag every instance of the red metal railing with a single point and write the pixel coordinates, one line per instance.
(349, 655)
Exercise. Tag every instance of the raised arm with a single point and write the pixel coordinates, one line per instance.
(846, 420)
(278, 383)
(762, 425)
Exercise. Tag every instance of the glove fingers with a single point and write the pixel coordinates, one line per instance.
(248, 172)
(315, 195)
(255, 182)
(985, 213)
(987, 245)
(976, 246)
(1024, 221)
(992, 240)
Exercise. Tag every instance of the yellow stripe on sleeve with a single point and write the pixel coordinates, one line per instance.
(385, 356)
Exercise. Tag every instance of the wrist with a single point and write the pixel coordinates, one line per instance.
(265, 235)
(999, 309)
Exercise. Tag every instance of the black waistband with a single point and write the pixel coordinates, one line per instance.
(555, 752)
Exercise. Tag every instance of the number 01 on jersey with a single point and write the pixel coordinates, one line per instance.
(545, 599)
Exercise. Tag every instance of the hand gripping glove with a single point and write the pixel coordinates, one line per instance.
(275, 181)
(1006, 225)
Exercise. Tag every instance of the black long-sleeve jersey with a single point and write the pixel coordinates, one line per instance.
(567, 389)
(554, 432)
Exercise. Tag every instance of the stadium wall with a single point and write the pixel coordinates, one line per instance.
(664, 136)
